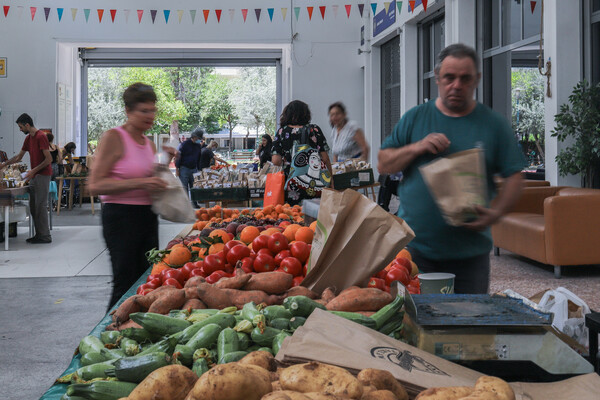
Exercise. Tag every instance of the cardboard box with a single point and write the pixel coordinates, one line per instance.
(353, 179)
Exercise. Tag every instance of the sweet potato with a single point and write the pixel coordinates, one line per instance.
(232, 381)
(172, 382)
(193, 304)
(170, 300)
(285, 395)
(328, 295)
(235, 282)
(325, 396)
(129, 324)
(321, 378)
(213, 297)
(262, 359)
(348, 289)
(380, 395)
(129, 306)
(301, 291)
(367, 299)
(240, 297)
(146, 301)
(270, 282)
(194, 281)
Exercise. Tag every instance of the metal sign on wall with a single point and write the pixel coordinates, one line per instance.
(384, 19)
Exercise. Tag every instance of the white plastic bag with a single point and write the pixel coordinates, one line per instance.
(172, 203)
(557, 302)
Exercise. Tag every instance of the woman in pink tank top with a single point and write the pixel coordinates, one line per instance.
(123, 177)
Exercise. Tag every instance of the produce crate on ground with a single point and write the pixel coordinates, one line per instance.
(353, 179)
(229, 194)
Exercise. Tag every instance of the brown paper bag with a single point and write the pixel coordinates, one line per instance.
(457, 184)
(330, 339)
(354, 239)
(584, 387)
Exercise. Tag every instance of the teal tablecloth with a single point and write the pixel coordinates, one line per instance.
(56, 391)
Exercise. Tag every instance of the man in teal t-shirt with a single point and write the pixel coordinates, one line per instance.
(453, 122)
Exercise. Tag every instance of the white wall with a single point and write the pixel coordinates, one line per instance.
(323, 62)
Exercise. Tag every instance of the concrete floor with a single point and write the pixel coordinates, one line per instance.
(53, 295)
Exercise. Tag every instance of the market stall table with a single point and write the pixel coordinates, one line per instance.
(7, 200)
(82, 183)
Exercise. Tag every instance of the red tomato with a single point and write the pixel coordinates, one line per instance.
(231, 236)
(187, 268)
(232, 243)
(405, 262)
(197, 272)
(154, 283)
(300, 250)
(246, 264)
(155, 276)
(215, 276)
(163, 272)
(175, 274)
(297, 281)
(172, 282)
(261, 242)
(146, 291)
(284, 224)
(381, 274)
(199, 264)
(265, 251)
(264, 263)
(237, 253)
(397, 274)
(292, 266)
(213, 263)
(281, 256)
(305, 270)
(141, 288)
(278, 242)
(376, 283)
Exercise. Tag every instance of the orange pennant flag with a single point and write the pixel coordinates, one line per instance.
(205, 12)
(322, 9)
(244, 13)
(310, 10)
(113, 13)
(218, 12)
(100, 14)
(411, 3)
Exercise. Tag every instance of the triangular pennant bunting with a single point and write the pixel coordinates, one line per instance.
(100, 14)
(167, 14)
(126, 12)
(6, 8)
(361, 9)
(322, 9)
(348, 9)
(33, 10)
(399, 4)
(179, 15)
(205, 13)
(113, 14)
(193, 15)
(270, 11)
(297, 12)
(86, 12)
(532, 4)
(283, 13)
(244, 13)
(60, 13)
(140, 14)
(218, 12)
(231, 13)
(310, 11)
(153, 15)
(335, 7)
(411, 3)
(374, 8)
(257, 12)
(46, 12)
(73, 13)
(386, 5)
(424, 5)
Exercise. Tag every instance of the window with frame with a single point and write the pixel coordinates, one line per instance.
(390, 86)
(431, 42)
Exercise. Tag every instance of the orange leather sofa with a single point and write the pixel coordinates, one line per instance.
(553, 225)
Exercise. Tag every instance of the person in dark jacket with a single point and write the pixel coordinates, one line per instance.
(264, 150)
(188, 161)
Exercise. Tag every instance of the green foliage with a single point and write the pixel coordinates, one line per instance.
(578, 123)
(530, 110)
(189, 84)
(255, 98)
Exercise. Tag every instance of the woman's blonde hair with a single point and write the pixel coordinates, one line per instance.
(214, 144)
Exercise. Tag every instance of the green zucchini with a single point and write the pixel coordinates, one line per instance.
(232, 357)
(388, 311)
(223, 320)
(179, 314)
(228, 310)
(243, 326)
(158, 323)
(297, 322)
(101, 390)
(165, 346)
(278, 341)
(130, 346)
(90, 343)
(252, 348)
(93, 371)
(227, 342)
(205, 337)
(209, 311)
(244, 340)
(67, 397)
(301, 306)
(280, 323)
(264, 338)
(92, 357)
(136, 369)
(393, 323)
(356, 317)
(110, 337)
(111, 354)
(249, 311)
(273, 312)
(184, 354)
(140, 335)
(267, 349)
(200, 366)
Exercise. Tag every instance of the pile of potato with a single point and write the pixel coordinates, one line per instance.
(486, 388)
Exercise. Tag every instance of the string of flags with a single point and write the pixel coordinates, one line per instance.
(323, 11)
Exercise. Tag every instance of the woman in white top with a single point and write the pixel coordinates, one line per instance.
(348, 139)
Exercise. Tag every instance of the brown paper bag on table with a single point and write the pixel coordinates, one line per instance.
(457, 183)
(354, 239)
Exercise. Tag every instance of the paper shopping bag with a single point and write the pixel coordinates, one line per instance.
(457, 183)
(172, 203)
(354, 239)
(274, 193)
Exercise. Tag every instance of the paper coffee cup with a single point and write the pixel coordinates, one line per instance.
(437, 283)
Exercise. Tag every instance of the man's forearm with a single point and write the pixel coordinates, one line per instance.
(395, 160)
(509, 194)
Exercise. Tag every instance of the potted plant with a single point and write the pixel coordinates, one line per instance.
(578, 123)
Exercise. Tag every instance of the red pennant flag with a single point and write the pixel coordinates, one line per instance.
(6, 8)
(33, 10)
(218, 12)
(424, 5)
(244, 13)
(205, 12)
(140, 13)
(322, 9)
(113, 13)
(310, 10)
(411, 3)
(348, 8)
(100, 14)
(532, 4)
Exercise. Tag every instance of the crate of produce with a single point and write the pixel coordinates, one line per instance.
(219, 194)
(353, 179)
